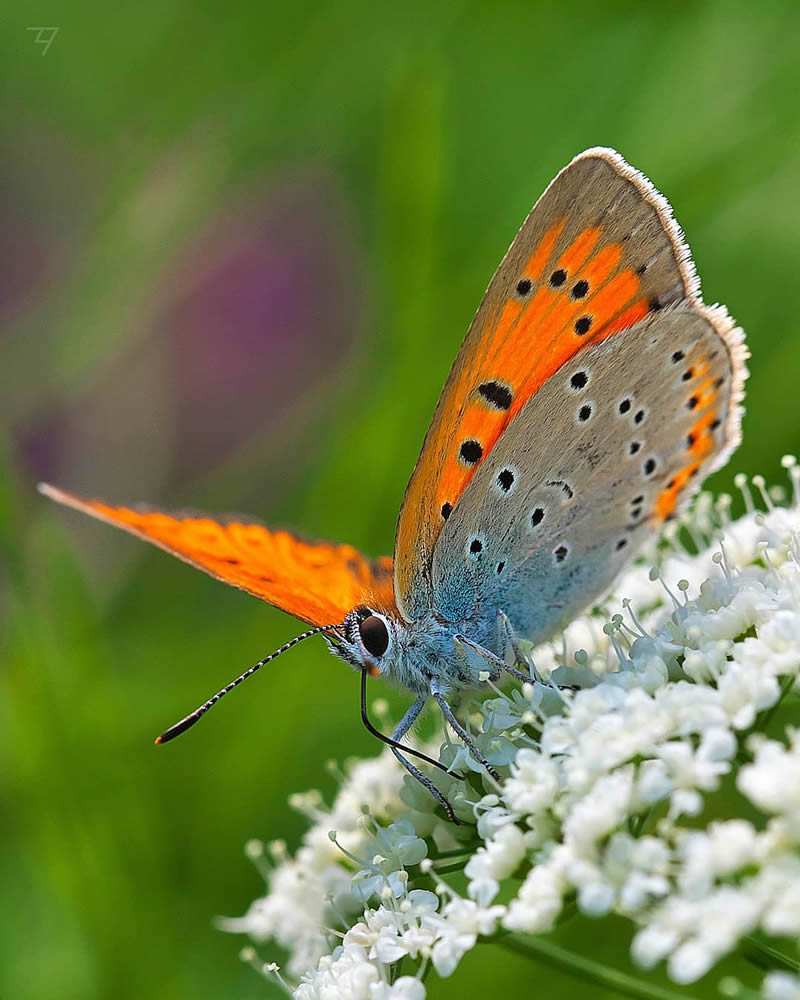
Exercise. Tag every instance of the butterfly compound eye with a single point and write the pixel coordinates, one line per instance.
(374, 635)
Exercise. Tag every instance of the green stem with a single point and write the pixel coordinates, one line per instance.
(764, 719)
(639, 822)
(457, 866)
(580, 967)
(569, 910)
(766, 957)
(456, 851)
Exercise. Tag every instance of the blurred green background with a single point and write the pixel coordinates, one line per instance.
(240, 246)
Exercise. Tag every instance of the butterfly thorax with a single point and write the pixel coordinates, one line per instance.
(413, 654)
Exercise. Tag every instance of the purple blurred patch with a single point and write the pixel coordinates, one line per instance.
(26, 259)
(40, 443)
(38, 228)
(261, 309)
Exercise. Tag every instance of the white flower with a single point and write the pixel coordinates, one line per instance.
(541, 897)
(533, 784)
(603, 798)
(461, 923)
(599, 811)
(346, 972)
(772, 781)
(404, 988)
(495, 861)
(705, 856)
(780, 986)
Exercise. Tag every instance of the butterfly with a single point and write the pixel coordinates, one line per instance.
(593, 392)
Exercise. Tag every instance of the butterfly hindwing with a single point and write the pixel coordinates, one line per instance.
(318, 582)
(598, 252)
(605, 451)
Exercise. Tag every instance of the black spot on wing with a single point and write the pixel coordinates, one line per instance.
(505, 480)
(563, 486)
(471, 452)
(496, 394)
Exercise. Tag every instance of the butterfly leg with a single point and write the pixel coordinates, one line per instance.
(507, 633)
(459, 730)
(403, 727)
(426, 782)
(509, 637)
(408, 719)
(493, 661)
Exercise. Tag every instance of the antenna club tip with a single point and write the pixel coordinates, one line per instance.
(158, 741)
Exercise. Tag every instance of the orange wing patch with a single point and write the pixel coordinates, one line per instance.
(544, 251)
(318, 582)
(583, 297)
(700, 441)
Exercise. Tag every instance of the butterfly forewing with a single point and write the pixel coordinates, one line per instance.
(318, 582)
(607, 449)
(598, 253)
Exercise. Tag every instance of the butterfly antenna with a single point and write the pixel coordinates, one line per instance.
(198, 713)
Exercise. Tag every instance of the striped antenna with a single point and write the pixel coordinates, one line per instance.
(198, 713)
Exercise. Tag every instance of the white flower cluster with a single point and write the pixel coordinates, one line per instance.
(602, 797)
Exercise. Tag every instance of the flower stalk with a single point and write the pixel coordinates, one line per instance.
(545, 952)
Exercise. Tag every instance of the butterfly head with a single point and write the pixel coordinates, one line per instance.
(367, 640)
(380, 643)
